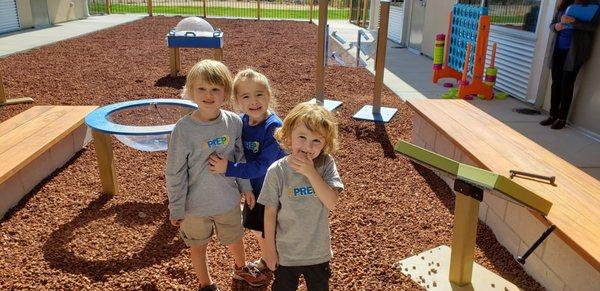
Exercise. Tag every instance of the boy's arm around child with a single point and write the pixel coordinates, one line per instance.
(270, 151)
(244, 185)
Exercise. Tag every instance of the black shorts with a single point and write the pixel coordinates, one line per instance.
(316, 277)
(254, 218)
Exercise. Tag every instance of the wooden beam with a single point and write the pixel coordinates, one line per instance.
(364, 11)
(464, 234)
(258, 9)
(310, 11)
(174, 61)
(380, 56)
(2, 92)
(5, 101)
(320, 84)
(106, 165)
(218, 54)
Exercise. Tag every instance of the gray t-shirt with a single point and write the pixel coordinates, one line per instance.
(191, 187)
(302, 232)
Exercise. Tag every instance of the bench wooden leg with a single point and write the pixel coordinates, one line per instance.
(464, 233)
(5, 101)
(106, 165)
(218, 54)
(174, 61)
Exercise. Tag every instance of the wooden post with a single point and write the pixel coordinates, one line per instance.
(218, 54)
(364, 11)
(2, 93)
(310, 11)
(5, 101)
(106, 165)
(320, 93)
(107, 6)
(464, 234)
(174, 61)
(349, 10)
(380, 55)
(258, 9)
(149, 3)
(204, 8)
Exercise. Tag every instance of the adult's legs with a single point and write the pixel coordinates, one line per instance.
(568, 83)
(558, 64)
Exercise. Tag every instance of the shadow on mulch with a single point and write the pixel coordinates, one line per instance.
(377, 133)
(435, 182)
(171, 82)
(160, 247)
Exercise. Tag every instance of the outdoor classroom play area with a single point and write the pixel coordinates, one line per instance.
(68, 233)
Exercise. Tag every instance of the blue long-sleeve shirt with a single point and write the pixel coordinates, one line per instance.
(260, 149)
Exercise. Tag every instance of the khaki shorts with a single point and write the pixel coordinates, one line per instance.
(198, 230)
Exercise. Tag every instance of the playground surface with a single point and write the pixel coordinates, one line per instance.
(66, 235)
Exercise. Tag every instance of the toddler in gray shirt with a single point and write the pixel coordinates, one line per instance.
(298, 193)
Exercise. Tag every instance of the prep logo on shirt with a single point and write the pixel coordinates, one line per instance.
(217, 141)
(252, 146)
(301, 191)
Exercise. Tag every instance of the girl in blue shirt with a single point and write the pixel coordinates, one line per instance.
(252, 95)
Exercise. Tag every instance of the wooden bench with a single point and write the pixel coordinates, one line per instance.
(35, 143)
(459, 130)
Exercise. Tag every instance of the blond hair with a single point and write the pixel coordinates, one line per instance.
(211, 71)
(250, 74)
(316, 119)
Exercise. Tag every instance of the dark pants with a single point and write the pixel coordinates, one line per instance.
(316, 277)
(562, 86)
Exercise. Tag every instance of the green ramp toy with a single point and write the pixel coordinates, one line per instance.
(453, 268)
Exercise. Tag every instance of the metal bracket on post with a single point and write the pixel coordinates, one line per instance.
(468, 189)
(536, 244)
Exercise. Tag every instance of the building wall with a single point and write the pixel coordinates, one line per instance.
(24, 10)
(436, 21)
(58, 11)
(65, 10)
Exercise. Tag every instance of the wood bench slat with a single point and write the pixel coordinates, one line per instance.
(540, 157)
(33, 126)
(22, 118)
(25, 143)
(537, 158)
(498, 148)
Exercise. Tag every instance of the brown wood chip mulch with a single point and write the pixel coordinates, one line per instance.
(66, 235)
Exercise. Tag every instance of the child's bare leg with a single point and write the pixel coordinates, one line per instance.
(237, 251)
(198, 253)
(261, 242)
